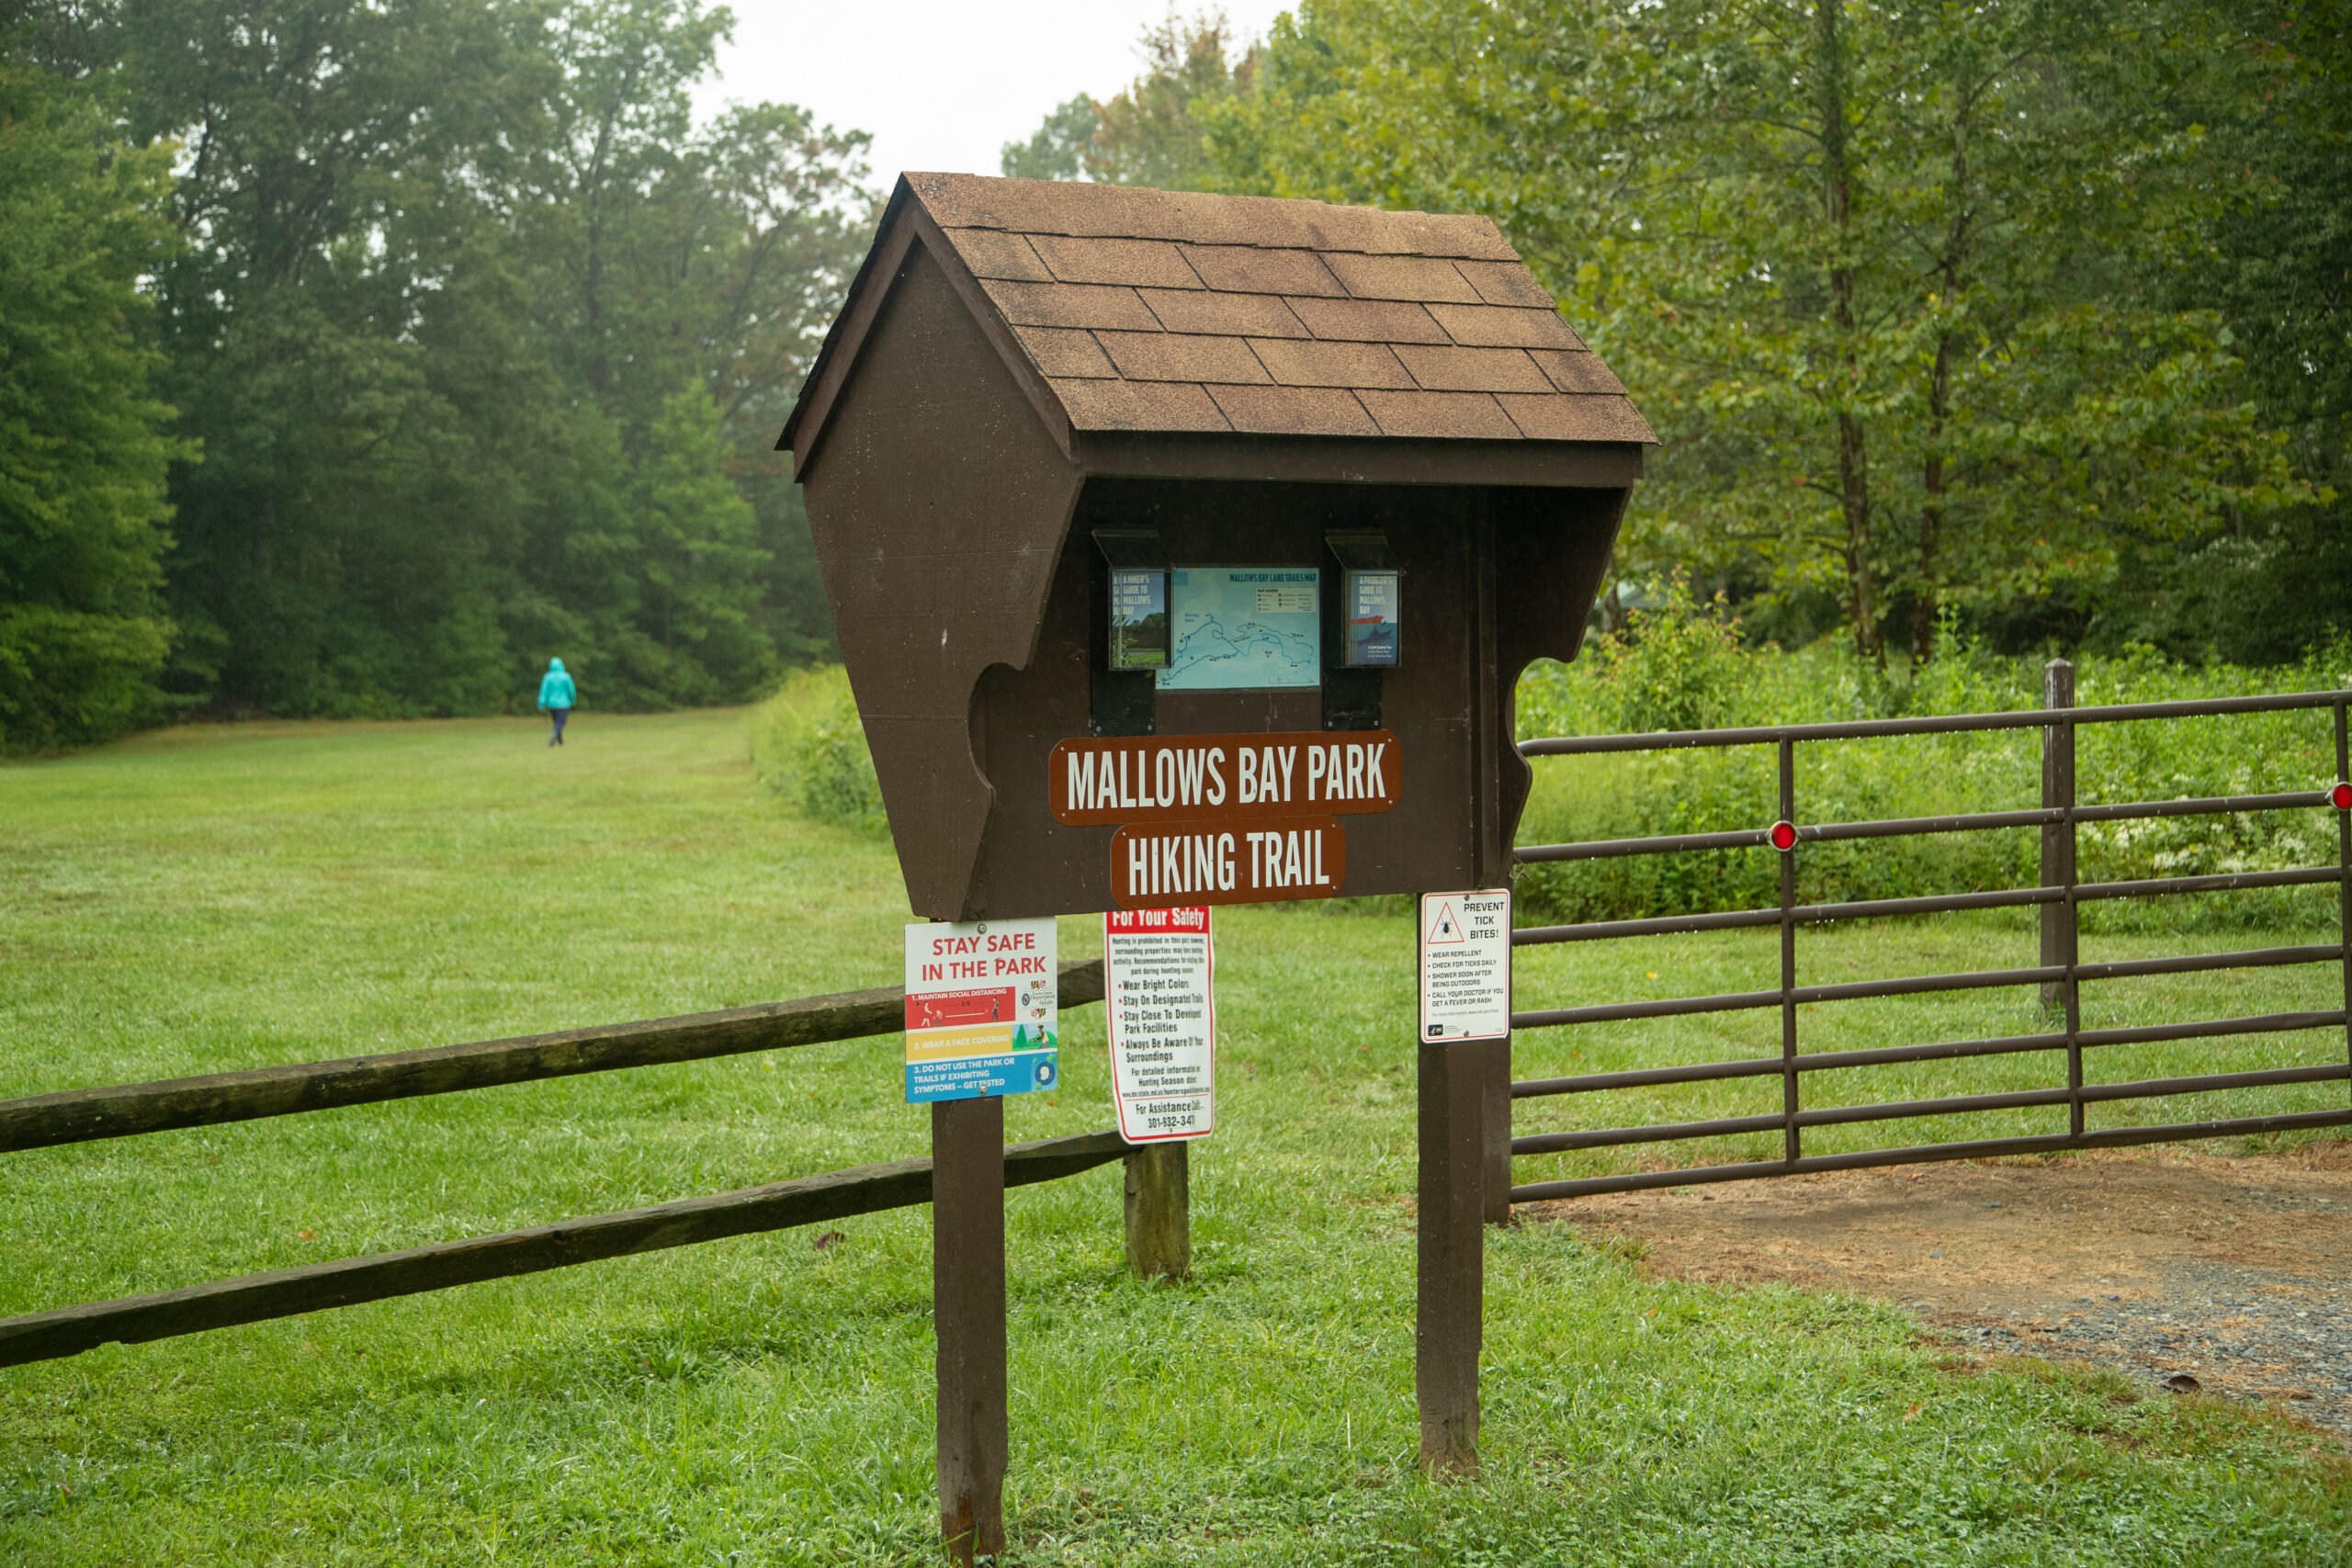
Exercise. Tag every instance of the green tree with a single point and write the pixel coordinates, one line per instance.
(1058, 149)
(679, 625)
(716, 253)
(341, 546)
(84, 453)
(1155, 132)
(1877, 271)
(2264, 587)
(449, 262)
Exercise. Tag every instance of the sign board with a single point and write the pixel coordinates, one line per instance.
(1159, 990)
(1296, 857)
(1243, 629)
(1225, 819)
(1466, 965)
(1139, 619)
(1371, 625)
(981, 1002)
(1227, 779)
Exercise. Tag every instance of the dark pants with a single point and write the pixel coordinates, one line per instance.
(559, 714)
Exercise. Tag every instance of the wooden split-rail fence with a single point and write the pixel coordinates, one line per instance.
(1158, 1227)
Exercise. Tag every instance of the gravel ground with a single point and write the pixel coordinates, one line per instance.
(2158, 1264)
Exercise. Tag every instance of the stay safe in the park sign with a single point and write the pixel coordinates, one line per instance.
(981, 1000)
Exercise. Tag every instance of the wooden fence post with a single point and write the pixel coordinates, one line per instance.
(967, 1309)
(1452, 1252)
(2057, 837)
(1159, 1215)
(1494, 1087)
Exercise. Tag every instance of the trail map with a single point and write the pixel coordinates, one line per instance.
(1243, 629)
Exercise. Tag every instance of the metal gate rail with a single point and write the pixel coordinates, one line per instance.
(2059, 974)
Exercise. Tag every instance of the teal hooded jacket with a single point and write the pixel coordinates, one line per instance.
(555, 688)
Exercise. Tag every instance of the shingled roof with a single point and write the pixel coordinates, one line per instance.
(1169, 311)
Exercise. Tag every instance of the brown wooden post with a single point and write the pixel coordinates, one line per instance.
(2343, 864)
(2057, 837)
(1451, 1292)
(967, 1308)
(1494, 1084)
(1160, 1215)
(1489, 1060)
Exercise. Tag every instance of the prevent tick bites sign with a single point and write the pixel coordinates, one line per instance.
(1466, 965)
(1160, 976)
(981, 1003)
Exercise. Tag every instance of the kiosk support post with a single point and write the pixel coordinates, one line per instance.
(1160, 1218)
(1450, 1306)
(1490, 1059)
(968, 1309)
(1494, 1084)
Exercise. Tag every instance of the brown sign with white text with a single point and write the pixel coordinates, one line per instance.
(1236, 779)
(1186, 862)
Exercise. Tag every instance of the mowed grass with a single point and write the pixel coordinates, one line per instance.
(209, 899)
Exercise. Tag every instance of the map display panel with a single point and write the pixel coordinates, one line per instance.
(1243, 629)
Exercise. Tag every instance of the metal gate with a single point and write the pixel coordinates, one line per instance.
(2059, 975)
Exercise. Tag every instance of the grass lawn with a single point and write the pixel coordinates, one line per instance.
(205, 899)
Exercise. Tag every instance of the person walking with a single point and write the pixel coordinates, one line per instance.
(556, 696)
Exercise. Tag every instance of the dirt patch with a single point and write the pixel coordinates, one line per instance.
(2160, 1264)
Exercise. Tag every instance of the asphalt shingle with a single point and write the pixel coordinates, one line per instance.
(1172, 356)
(1138, 405)
(1462, 416)
(1293, 411)
(1150, 264)
(1247, 315)
(1058, 351)
(1368, 321)
(1472, 370)
(1403, 277)
(1296, 363)
(1069, 305)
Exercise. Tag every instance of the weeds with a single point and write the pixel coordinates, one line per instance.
(809, 747)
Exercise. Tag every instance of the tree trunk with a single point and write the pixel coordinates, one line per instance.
(1853, 464)
(1861, 580)
(1931, 512)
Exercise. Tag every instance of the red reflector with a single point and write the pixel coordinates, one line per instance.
(2341, 797)
(1784, 835)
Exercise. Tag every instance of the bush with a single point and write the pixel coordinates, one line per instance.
(809, 747)
(1641, 794)
(72, 679)
(1680, 666)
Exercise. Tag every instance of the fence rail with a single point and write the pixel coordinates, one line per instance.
(2060, 975)
(82, 1115)
(1913, 827)
(288, 1292)
(94, 1114)
(1940, 723)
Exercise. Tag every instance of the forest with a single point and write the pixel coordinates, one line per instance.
(2029, 317)
(354, 357)
(357, 357)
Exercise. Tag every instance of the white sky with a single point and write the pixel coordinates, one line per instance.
(943, 85)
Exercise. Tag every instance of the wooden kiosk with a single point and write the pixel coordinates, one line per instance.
(1186, 548)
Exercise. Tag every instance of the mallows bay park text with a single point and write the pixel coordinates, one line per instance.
(1224, 818)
